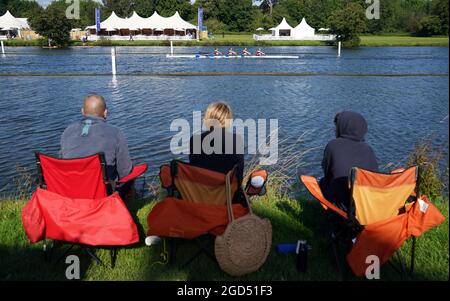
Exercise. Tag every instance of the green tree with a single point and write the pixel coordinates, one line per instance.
(87, 13)
(53, 24)
(144, 8)
(215, 26)
(20, 8)
(440, 9)
(167, 8)
(211, 8)
(348, 23)
(123, 8)
(428, 25)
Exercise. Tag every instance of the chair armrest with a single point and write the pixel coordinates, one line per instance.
(165, 176)
(250, 190)
(313, 187)
(135, 172)
(398, 170)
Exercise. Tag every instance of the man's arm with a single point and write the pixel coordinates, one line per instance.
(123, 160)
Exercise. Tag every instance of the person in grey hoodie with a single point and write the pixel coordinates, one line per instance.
(93, 135)
(341, 154)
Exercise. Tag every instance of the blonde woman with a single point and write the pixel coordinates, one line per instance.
(228, 152)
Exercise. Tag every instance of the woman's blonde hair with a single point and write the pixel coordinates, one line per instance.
(219, 111)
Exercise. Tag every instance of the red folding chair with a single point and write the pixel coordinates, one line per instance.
(84, 179)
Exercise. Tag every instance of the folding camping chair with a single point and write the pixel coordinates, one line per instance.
(195, 208)
(80, 178)
(379, 203)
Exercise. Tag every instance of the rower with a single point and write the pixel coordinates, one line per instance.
(217, 52)
(259, 52)
(246, 52)
(231, 52)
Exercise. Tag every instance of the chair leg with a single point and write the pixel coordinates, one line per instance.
(45, 250)
(113, 254)
(192, 259)
(202, 249)
(65, 253)
(413, 256)
(94, 256)
(338, 261)
(172, 250)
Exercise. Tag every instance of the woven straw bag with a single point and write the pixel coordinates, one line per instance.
(244, 246)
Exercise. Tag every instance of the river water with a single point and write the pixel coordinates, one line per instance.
(402, 91)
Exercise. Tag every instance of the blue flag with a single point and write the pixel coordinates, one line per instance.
(200, 18)
(97, 19)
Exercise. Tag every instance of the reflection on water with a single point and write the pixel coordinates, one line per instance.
(399, 110)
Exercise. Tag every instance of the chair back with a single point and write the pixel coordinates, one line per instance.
(379, 196)
(81, 178)
(198, 185)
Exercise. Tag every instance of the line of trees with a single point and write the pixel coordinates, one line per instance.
(344, 17)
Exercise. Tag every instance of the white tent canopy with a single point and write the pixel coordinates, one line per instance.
(303, 30)
(178, 23)
(112, 23)
(283, 26)
(136, 22)
(9, 22)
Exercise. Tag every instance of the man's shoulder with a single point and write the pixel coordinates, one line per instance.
(71, 127)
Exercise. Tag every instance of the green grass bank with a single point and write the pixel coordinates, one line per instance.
(247, 40)
(291, 218)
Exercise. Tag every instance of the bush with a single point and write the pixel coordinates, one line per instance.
(215, 26)
(429, 157)
(428, 26)
(353, 42)
(348, 23)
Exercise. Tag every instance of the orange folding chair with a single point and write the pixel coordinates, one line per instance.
(195, 208)
(385, 210)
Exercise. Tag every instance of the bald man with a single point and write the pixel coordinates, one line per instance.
(93, 135)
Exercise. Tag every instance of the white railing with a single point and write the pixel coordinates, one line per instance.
(317, 37)
(3, 37)
(141, 38)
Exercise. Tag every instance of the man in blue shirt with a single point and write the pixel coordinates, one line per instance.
(93, 135)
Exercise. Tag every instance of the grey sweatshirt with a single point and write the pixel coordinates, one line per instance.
(93, 135)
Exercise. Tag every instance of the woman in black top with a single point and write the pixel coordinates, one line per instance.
(218, 148)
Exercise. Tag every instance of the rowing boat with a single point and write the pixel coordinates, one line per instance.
(210, 56)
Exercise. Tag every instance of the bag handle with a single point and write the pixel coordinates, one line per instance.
(229, 200)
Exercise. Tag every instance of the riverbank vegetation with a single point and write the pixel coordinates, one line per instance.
(292, 212)
(230, 39)
(344, 17)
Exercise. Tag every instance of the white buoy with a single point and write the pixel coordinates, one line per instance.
(171, 48)
(339, 48)
(3, 48)
(113, 61)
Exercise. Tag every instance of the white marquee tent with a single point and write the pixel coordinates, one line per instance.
(154, 27)
(284, 31)
(303, 30)
(9, 22)
(11, 25)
